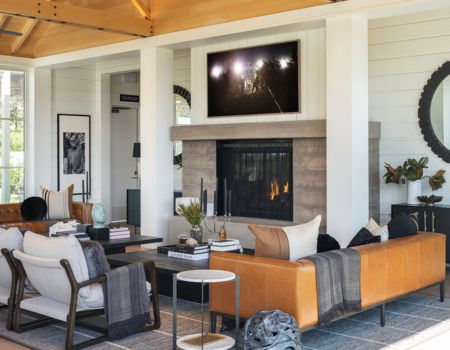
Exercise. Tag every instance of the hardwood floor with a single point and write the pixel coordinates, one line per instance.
(8, 345)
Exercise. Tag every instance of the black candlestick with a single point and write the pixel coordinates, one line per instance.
(201, 194)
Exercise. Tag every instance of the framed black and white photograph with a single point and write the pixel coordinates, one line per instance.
(74, 150)
(255, 80)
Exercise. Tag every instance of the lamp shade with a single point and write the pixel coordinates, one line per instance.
(136, 150)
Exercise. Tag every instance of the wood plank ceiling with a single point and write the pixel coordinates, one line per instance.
(37, 28)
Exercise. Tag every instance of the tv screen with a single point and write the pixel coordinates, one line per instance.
(255, 80)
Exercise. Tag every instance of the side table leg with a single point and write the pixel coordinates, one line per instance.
(174, 310)
(203, 313)
(237, 283)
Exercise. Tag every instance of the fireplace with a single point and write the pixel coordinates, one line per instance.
(259, 174)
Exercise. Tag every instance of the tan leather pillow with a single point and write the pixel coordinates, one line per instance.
(286, 243)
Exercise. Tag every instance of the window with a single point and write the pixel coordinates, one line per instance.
(12, 136)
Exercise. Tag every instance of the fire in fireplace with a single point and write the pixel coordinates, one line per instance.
(259, 174)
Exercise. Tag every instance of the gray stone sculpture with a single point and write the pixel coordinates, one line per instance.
(271, 330)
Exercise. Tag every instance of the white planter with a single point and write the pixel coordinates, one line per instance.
(414, 191)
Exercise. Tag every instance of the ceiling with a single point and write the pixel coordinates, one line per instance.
(33, 28)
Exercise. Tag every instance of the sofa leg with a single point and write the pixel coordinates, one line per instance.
(382, 315)
(212, 322)
(442, 291)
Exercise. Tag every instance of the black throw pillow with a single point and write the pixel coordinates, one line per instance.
(33, 208)
(364, 237)
(325, 243)
(403, 225)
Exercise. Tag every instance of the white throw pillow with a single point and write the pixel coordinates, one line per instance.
(59, 204)
(11, 238)
(59, 248)
(378, 230)
(303, 238)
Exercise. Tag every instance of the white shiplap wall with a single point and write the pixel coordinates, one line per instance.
(312, 76)
(403, 53)
(74, 92)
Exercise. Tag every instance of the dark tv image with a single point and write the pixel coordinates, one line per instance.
(255, 80)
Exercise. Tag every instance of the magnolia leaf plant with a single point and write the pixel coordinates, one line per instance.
(412, 170)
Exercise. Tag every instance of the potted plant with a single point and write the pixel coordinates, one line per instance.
(192, 214)
(412, 171)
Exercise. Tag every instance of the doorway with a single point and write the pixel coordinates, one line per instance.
(124, 168)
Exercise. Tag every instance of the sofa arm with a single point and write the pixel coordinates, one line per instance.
(82, 212)
(266, 284)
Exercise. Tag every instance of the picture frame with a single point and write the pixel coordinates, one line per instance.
(255, 80)
(74, 151)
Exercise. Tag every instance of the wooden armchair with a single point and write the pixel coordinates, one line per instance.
(64, 298)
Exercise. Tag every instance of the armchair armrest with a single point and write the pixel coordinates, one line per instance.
(266, 284)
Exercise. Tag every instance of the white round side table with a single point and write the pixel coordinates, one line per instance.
(203, 277)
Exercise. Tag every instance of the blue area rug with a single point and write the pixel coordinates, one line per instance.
(412, 322)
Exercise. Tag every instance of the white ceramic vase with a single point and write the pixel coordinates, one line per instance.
(414, 191)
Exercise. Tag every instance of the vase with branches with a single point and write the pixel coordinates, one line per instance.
(412, 171)
(192, 214)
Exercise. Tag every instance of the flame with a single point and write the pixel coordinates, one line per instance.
(286, 187)
(275, 188)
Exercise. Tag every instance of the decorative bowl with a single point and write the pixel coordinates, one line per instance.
(429, 201)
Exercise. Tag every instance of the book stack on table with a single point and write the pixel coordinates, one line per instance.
(226, 245)
(119, 233)
(82, 236)
(184, 251)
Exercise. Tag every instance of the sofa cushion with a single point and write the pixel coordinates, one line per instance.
(59, 204)
(403, 225)
(59, 248)
(287, 243)
(364, 237)
(325, 243)
(33, 208)
(378, 230)
(11, 239)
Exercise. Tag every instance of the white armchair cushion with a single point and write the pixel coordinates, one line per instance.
(58, 248)
(10, 239)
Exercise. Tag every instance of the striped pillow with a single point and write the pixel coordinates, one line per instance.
(59, 204)
(286, 243)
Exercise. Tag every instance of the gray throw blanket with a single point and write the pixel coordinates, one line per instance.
(338, 283)
(127, 304)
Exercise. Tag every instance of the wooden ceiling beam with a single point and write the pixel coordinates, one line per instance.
(65, 13)
(2, 20)
(142, 9)
(26, 31)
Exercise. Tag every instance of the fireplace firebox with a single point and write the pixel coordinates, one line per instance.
(259, 174)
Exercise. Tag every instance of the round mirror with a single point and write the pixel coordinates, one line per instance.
(434, 112)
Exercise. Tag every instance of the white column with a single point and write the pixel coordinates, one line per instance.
(347, 126)
(39, 132)
(156, 101)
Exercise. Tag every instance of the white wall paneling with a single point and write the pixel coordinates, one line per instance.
(312, 77)
(347, 127)
(74, 92)
(403, 53)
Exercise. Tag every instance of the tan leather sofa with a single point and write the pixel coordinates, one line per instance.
(10, 216)
(388, 270)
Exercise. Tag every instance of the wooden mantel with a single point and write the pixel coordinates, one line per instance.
(268, 130)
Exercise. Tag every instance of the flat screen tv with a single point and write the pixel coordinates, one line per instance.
(255, 80)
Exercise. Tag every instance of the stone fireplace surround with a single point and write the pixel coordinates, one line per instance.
(309, 167)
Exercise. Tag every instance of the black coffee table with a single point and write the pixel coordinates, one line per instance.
(165, 268)
(117, 246)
